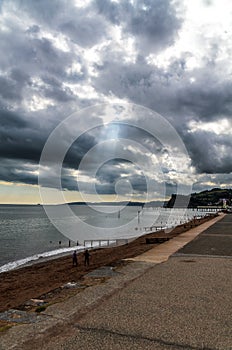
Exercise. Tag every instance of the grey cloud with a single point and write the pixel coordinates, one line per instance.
(219, 180)
(8, 89)
(113, 11)
(18, 172)
(45, 77)
(142, 84)
(81, 25)
(111, 171)
(210, 153)
(31, 52)
(34, 29)
(124, 79)
(78, 149)
(154, 24)
(48, 58)
(122, 185)
(22, 142)
(85, 32)
(22, 138)
(56, 90)
(169, 92)
(47, 12)
(10, 120)
(20, 76)
(208, 97)
(29, 58)
(118, 177)
(12, 85)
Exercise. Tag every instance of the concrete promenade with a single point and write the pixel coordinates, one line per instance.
(177, 296)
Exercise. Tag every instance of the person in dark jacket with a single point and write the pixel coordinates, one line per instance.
(74, 258)
(86, 255)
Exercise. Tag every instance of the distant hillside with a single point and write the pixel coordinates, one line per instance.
(210, 197)
(137, 204)
(108, 203)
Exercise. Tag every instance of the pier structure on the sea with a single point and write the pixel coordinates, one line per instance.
(209, 208)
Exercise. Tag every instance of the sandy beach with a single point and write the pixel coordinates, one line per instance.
(44, 280)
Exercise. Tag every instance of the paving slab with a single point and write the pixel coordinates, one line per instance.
(104, 271)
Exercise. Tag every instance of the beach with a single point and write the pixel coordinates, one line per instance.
(44, 280)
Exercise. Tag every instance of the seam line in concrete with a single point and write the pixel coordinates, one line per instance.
(182, 255)
(134, 336)
(217, 234)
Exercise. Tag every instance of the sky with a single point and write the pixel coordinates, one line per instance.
(131, 74)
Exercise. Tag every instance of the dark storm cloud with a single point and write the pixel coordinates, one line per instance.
(153, 23)
(20, 138)
(34, 58)
(124, 186)
(83, 26)
(210, 153)
(86, 32)
(127, 80)
(208, 97)
(13, 85)
(21, 143)
(122, 176)
(29, 54)
(78, 149)
(111, 171)
(9, 89)
(10, 120)
(143, 83)
(19, 76)
(55, 90)
(18, 171)
(43, 57)
(168, 91)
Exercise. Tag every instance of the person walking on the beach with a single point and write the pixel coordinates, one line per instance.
(75, 258)
(86, 255)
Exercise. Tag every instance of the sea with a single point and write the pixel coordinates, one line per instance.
(27, 234)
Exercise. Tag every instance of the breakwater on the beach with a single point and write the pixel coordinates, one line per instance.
(27, 235)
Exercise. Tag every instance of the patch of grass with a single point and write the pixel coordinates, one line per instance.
(5, 327)
(41, 308)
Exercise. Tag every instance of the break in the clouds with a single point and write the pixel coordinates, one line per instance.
(172, 56)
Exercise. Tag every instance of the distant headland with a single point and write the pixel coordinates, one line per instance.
(213, 197)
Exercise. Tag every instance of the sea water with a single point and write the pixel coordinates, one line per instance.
(27, 234)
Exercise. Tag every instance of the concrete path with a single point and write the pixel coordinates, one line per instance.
(162, 252)
(183, 303)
